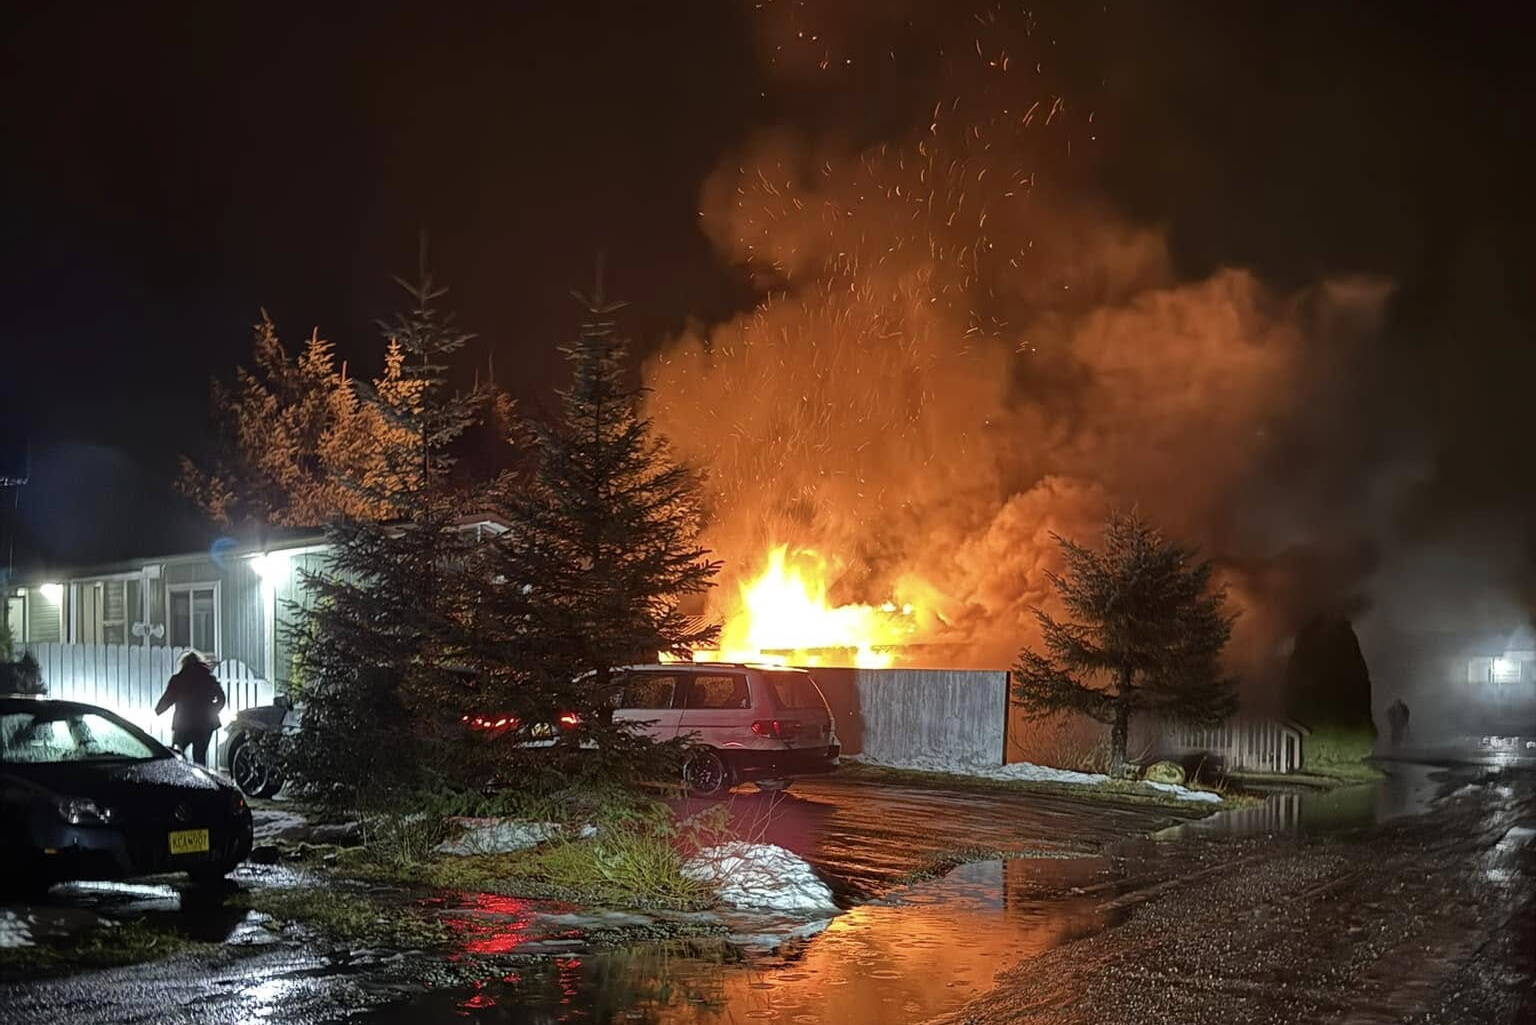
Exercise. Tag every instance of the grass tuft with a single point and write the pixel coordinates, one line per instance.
(103, 946)
(348, 917)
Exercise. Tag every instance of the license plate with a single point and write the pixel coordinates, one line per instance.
(189, 841)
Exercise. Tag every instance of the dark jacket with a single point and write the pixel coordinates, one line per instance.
(197, 697)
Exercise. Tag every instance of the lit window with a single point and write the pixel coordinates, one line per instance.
(1506, 670)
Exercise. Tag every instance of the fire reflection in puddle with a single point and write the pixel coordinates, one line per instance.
(903, 960)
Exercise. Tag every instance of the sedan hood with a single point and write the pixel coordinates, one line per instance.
(114, 780)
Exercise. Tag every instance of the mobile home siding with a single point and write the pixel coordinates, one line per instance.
(292, 600)
(240, 624)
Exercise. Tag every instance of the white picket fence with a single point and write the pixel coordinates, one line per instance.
(1257, 745)
(128, 679)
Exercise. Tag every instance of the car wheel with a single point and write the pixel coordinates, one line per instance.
(252, 773)
(705, 774)
(772, 786)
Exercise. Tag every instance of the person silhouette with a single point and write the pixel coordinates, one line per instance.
(1397, 721)
(198, 697)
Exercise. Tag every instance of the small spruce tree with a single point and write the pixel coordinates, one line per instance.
(602, 543)
(1145, 636)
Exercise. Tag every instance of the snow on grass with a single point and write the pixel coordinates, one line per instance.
(1027, 772)
(14, 930)
(502, 836)
(761, 876)
(268, 824)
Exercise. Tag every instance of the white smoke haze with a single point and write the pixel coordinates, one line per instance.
(956, 355)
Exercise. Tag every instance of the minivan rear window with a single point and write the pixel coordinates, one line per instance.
(795, 690)
(718, 691)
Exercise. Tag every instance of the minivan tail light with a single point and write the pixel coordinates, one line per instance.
(782, 729)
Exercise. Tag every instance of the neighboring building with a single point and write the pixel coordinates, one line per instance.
(232, 602)
(1458, 685)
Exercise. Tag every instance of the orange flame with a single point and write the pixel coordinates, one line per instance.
(784, 616)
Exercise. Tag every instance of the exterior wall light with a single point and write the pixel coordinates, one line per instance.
(270, 567)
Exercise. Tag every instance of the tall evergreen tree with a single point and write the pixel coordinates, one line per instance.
(382, 642)
(1146, 636)
(602, 543)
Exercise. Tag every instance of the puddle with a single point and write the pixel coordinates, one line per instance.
(921, 953)
(1408, 789)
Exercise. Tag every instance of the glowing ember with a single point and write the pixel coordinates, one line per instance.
(784, 616)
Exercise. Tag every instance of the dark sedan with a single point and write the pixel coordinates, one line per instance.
(85, 794)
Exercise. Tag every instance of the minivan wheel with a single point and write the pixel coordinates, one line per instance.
(252, 773)
(705, 774)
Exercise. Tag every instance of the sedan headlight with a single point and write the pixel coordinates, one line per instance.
(82, 811)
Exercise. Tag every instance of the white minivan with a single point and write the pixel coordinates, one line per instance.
(752, 723)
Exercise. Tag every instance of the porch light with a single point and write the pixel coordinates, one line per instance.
(52, 593)
(270, 567)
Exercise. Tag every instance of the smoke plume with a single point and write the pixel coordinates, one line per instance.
(960, 349)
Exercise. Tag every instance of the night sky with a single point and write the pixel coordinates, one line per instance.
(170, 170)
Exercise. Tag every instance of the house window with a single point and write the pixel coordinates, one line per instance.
(1506, 670)
(194, 616)
(114, 611)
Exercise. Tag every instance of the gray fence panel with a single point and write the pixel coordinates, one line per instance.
(926, 718)
(129, 678)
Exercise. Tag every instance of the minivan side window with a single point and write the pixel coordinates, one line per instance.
(718, 690)
(648, 690)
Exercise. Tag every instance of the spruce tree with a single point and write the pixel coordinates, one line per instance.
(294, 444)
(602, 544)
(382, 641)
(1145, 637)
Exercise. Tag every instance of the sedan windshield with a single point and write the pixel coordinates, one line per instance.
(49, 735)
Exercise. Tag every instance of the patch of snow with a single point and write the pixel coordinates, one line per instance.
(748, 875)
(502, 836)
(597, 919)
(1516, 836)
(14, 931)
(1027, 772)
(268, 824)
(1183, 793)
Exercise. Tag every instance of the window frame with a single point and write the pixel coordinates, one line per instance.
(693, 677)
(678, 678)
(191, 588)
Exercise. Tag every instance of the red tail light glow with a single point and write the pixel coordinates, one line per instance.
(487, 723)
(570, 720)
(781, 729)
